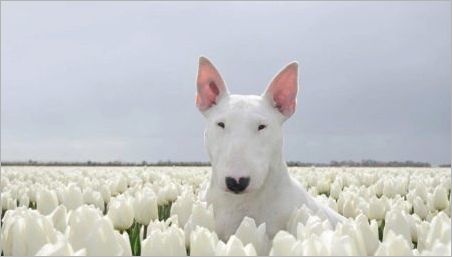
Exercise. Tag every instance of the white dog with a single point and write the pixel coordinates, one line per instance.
(244, 141)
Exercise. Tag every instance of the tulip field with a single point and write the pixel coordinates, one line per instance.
(156, 211)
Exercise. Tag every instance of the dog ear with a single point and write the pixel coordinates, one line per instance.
(282, 91)
(211, 87)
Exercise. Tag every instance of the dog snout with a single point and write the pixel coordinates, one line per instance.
(237, 186)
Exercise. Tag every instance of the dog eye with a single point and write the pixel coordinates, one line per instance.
(261, 127)
(220, 124)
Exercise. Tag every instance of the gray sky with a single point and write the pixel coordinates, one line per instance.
(116, 80)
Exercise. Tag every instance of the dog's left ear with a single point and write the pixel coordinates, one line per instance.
(282, 91)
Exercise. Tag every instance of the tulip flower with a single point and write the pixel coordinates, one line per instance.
(162, 225)
(234, 247)
(24, 200)
(72, 197)
(105, 193)
(59, 248)
(439, 249)
(314, 226)
(419, 207)
(59, 218)
(352, 231)
(335, 190)
(93, 197)
(394, 245)
(397, 222)
(81, 221)
(103, 240)
(248, 233)
(46, 201)
(389, 188)
(203, 242)
(440, 200)
(170, 242)
(282, 245)
(167, 194)
(201, 216)
(310, 247)
(145, 207)
(438, 231)
(182, 207)
(300, 215)
(369, 233)
(25, 231)
(120, 212)
(376, 209)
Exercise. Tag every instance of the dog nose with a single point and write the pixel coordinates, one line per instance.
(237, 186)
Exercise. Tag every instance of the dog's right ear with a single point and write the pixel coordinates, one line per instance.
(211, 87)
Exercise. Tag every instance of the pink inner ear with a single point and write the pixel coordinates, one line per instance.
(207, 95)
(283, 90)
(285, 102)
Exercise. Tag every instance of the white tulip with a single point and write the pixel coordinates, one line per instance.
(329, 243)
(349, 229)
(440, 200)
(105, 193)
(376, 209)
(25, 231)
(170, 242)
(300, 215)
(201, 216)
(439, 249)
(59, 248)
(421, 191)
(121, 184)
(93, 197)
(167, 194)
(124, 242)
(336, 189)
(394, 245)
(120, 212)
(438, 231)
(24, 200)
(323, 186)
(145, 207)
(103, 240)
(162, 225)
(80, 221)
(369, 233)
(419, 207)
(283, 243)
(182, 207)
(314, 225)
(46, 201)
(234, 247)
(203, 242)
(389, 188)
(397, 222)
(72, 197)
(349, 210)
(248, 233)
(309, 247)
(59, 218)
(8, 203)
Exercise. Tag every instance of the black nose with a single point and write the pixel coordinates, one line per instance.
(237, 186)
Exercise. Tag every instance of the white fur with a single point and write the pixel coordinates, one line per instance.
(241, 150)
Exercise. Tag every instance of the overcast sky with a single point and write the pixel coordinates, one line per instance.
(116, 80)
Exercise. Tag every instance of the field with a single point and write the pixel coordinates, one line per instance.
(155, 211)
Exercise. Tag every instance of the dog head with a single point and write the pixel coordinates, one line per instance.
(243, 135)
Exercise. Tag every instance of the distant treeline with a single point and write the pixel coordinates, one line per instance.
(363, 163)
